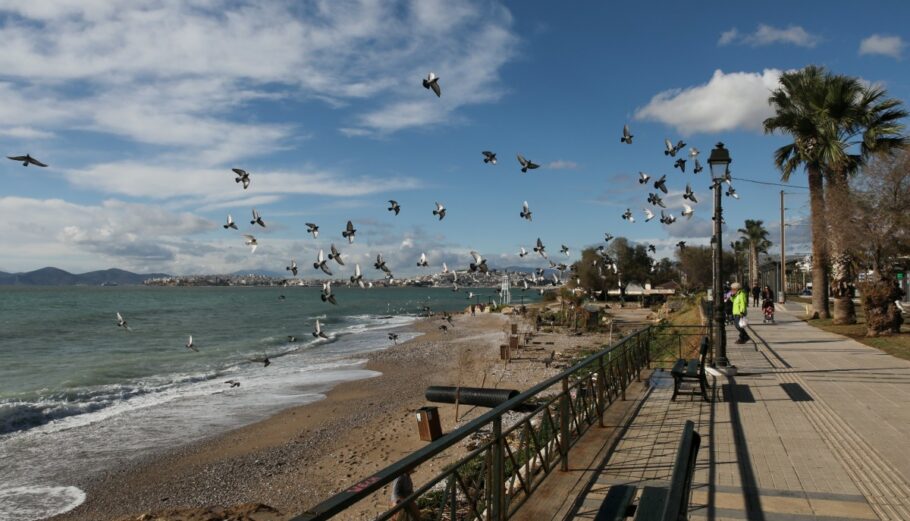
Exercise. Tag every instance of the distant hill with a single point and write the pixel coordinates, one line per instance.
(56, 277)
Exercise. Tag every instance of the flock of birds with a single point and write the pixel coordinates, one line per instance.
(477, 263)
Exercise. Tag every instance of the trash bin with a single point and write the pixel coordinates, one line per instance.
(428, 425)
(504, 352)
(514, 329)
(513, 342)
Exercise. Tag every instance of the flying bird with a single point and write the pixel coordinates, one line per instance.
(327, 295)
(525, 164)
(648, 214)
(661, 184)
(432, 82)
(422, 261)
(698, 168)
(26, 160)
(318, 332)
(540, 248)
(680, 164)
(312, 229)
(230, 223)
(693, 152)
(357, 277)
(292, 268)
(564, 250)
(440, 211)
(349, 232)
(627, 215)
(656, 200)
(335, 255)
(445, 269)
(731, 192)
(643, 178)
(626, 135)
(121, 322)
(190, 345)
(525, 212)
(242, 176)
(489, 157)
(264, 360)
(479, 264)
(681, 245)
(688, 211)
(394, 338)
(690, 195)
(522, 252)
(320, 263)
(257, 219)
(652, 248)
(381, 265)
(251, 242)
(394, 206)
(444, 328)
(232, 383)
(667, 218)
(608, 237)
(670, 150)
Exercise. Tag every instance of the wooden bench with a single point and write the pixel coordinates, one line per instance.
(657, 503)
(691, 370)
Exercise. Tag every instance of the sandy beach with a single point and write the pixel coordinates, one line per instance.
(302, 455)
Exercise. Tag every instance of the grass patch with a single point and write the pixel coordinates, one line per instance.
(895, 345)
(675, 338)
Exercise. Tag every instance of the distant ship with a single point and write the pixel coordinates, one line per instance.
(109, 284)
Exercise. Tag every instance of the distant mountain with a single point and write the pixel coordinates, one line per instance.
(56, 277)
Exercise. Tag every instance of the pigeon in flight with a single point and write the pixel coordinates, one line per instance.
(190, 345)
(698, 168)
(394, 338)
(432, 82)
(564, 250)
(335, 255)
(357, 277)
(121, 322)
(26, 160)
(731, 192)
(627, 215)
(525, 212)
(349, 232)
(445, 268)
(264, 360)
(242, 176)
(318, 332)
(440, 211)
(661, 184)
(312, 229)
(381, 265)
(422, 262)
(608, 237)
(522, 252)
(690, 195)
(681, 245)
(394, 206)
(643, 178)
(292, 268)
(489, 157)
(540, 248)
(693, 152)
(251, 242)
(648, 214)
(525, 164)
(232, 383)
(327, 295)
(230, 223)
(479, 264)
(320, 263)
(688, 211)
(680, 164)
(652, 248)
(444, 328)
(626, 135)
(667, 218)
(656, 200)
(670, 150)
(257, 219)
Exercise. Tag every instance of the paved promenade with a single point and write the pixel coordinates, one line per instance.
(815, 427)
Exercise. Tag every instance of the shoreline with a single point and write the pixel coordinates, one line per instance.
(303, 454)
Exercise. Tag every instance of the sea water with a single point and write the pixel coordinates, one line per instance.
(79, 395)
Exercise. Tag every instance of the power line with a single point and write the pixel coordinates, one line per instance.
(768, 183)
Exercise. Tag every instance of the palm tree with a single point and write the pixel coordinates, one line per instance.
(739, 248)
(756, 237)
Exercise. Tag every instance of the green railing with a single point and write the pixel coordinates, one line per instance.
(518, 450)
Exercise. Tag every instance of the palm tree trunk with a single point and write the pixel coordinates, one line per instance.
(838, 205)
(753, 264)
(819, 244)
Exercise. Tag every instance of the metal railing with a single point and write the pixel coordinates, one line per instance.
(517, 450)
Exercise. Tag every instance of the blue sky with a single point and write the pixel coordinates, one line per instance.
(141, 108)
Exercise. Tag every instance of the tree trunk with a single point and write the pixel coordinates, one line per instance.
(753, 264)
(819, 244)
(838, 205)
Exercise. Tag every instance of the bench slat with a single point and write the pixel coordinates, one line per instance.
(692, 369)
(615, 506)
(652, 504)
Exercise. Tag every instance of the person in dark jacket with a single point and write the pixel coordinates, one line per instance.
(756, 293)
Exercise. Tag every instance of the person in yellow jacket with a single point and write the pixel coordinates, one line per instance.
(740, 306)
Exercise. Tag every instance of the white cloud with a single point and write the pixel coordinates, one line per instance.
(25, 133)
(766, 35)
(891, 46)
(728, 101)
(560, 164)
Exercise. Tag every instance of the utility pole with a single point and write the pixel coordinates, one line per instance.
(782, 293)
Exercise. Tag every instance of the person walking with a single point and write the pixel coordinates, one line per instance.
(767, 294)
(740, 305)
(756, 293)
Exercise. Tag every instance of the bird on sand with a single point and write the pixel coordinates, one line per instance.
(643, 178)
(251, 242)
(688, 211)
(627, 215)
(349, 232)
(230, 223)
(357, 277)
(648, 214)
(394, 206)
(661, 184)
(690, 195)
(190, 345)
(257, 219)
(432, 82)
(26, 160)
(242, 177)
(422, 261)
(318, 332)
(292, 268)
(335, 255)
(626, 135)
(440, 210)
(312, 229)
(444, 328)
(526, 164)
(320, 263)
(327, 295)
(489, 157)
(479, 264)
(264, 360)
(394, 337)
(525, 211)
(540, 248)
(121, 322)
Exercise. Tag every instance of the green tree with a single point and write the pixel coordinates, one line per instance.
(755, 237)
(739, 248)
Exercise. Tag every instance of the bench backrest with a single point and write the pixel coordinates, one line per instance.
(677, 506)
(702, 354)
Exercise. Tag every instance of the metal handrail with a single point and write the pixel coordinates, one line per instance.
(613, 375)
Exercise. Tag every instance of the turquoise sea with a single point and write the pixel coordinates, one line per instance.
(79, 394)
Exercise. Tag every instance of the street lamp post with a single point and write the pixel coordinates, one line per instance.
(719, 163)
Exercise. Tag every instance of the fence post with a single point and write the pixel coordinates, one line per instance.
(564, 425)
(601, 382)
(498, 484)
(623, 374)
